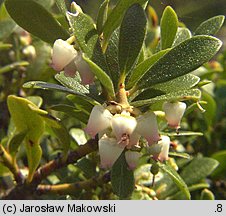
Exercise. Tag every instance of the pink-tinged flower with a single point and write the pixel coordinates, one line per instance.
(165, 144)
(84, 70)
(109, 151)
(132, 159)
(147, 127)
(99, 120)
(123, 125)
(63, 54)
(70, 70)
(174, 113)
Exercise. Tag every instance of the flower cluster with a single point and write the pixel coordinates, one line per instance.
(66, 57)
(122, 131)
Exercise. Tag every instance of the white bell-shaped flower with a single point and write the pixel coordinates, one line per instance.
(109, 151)
(174, 113)
(84, 70)
(99, 120)
(165, 145)
(123, 125)
(63, 54)
(132, 158)
(147, 127)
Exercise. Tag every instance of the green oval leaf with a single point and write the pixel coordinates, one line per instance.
(131, 37)
(190, 94)
(177, 179)
(34, 18)
(182, 59)
(182, 35)
(210, 26)
(221, 169)
(168, 26)
(143, 67)
(122, 179)
(115, 17)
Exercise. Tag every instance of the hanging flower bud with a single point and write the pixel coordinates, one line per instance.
(147, 127)
(174, 113)
(123, 125)
(84, 70)
(132, 159)
(109, 151)
(63, 54)
(30, 52)
(165, 145)
(70, 70)
(99, 120)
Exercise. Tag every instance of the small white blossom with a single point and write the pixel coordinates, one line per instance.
(132, 158)
(147, 127)
(123, 125)
(174, 113)
(165, 143)
(99, 120)
(109, 151)
(63, 54)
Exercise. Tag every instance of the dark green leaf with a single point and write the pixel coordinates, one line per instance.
(87, 37)
(191, 94)
(198, 169)
(210, 26)
(132, 32)
(16, 141)
(143, 67)
(87, 166)
(182, 59)
(122, 179)
(115, 17)
(102, 16)
(102, 76)
(112, 57)
(176, 178)
(182, 35)
(221, 169)
(34, 18)
(168, 25)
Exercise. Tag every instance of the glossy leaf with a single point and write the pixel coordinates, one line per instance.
(143, 67)
(221, 169)
(131, 37)
(87, 37)
(102, 15)
(168, 26)
(182, 59)
(198, 169)
(102, 76)
(177, 179)
(111, 55)
(116, 16)
(122, 179)
(26, 117)
(191, 94)
(182, 35)
(210, 26)
(36, 20)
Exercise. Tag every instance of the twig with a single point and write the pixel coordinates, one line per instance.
(72, 188)
(11, 165)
